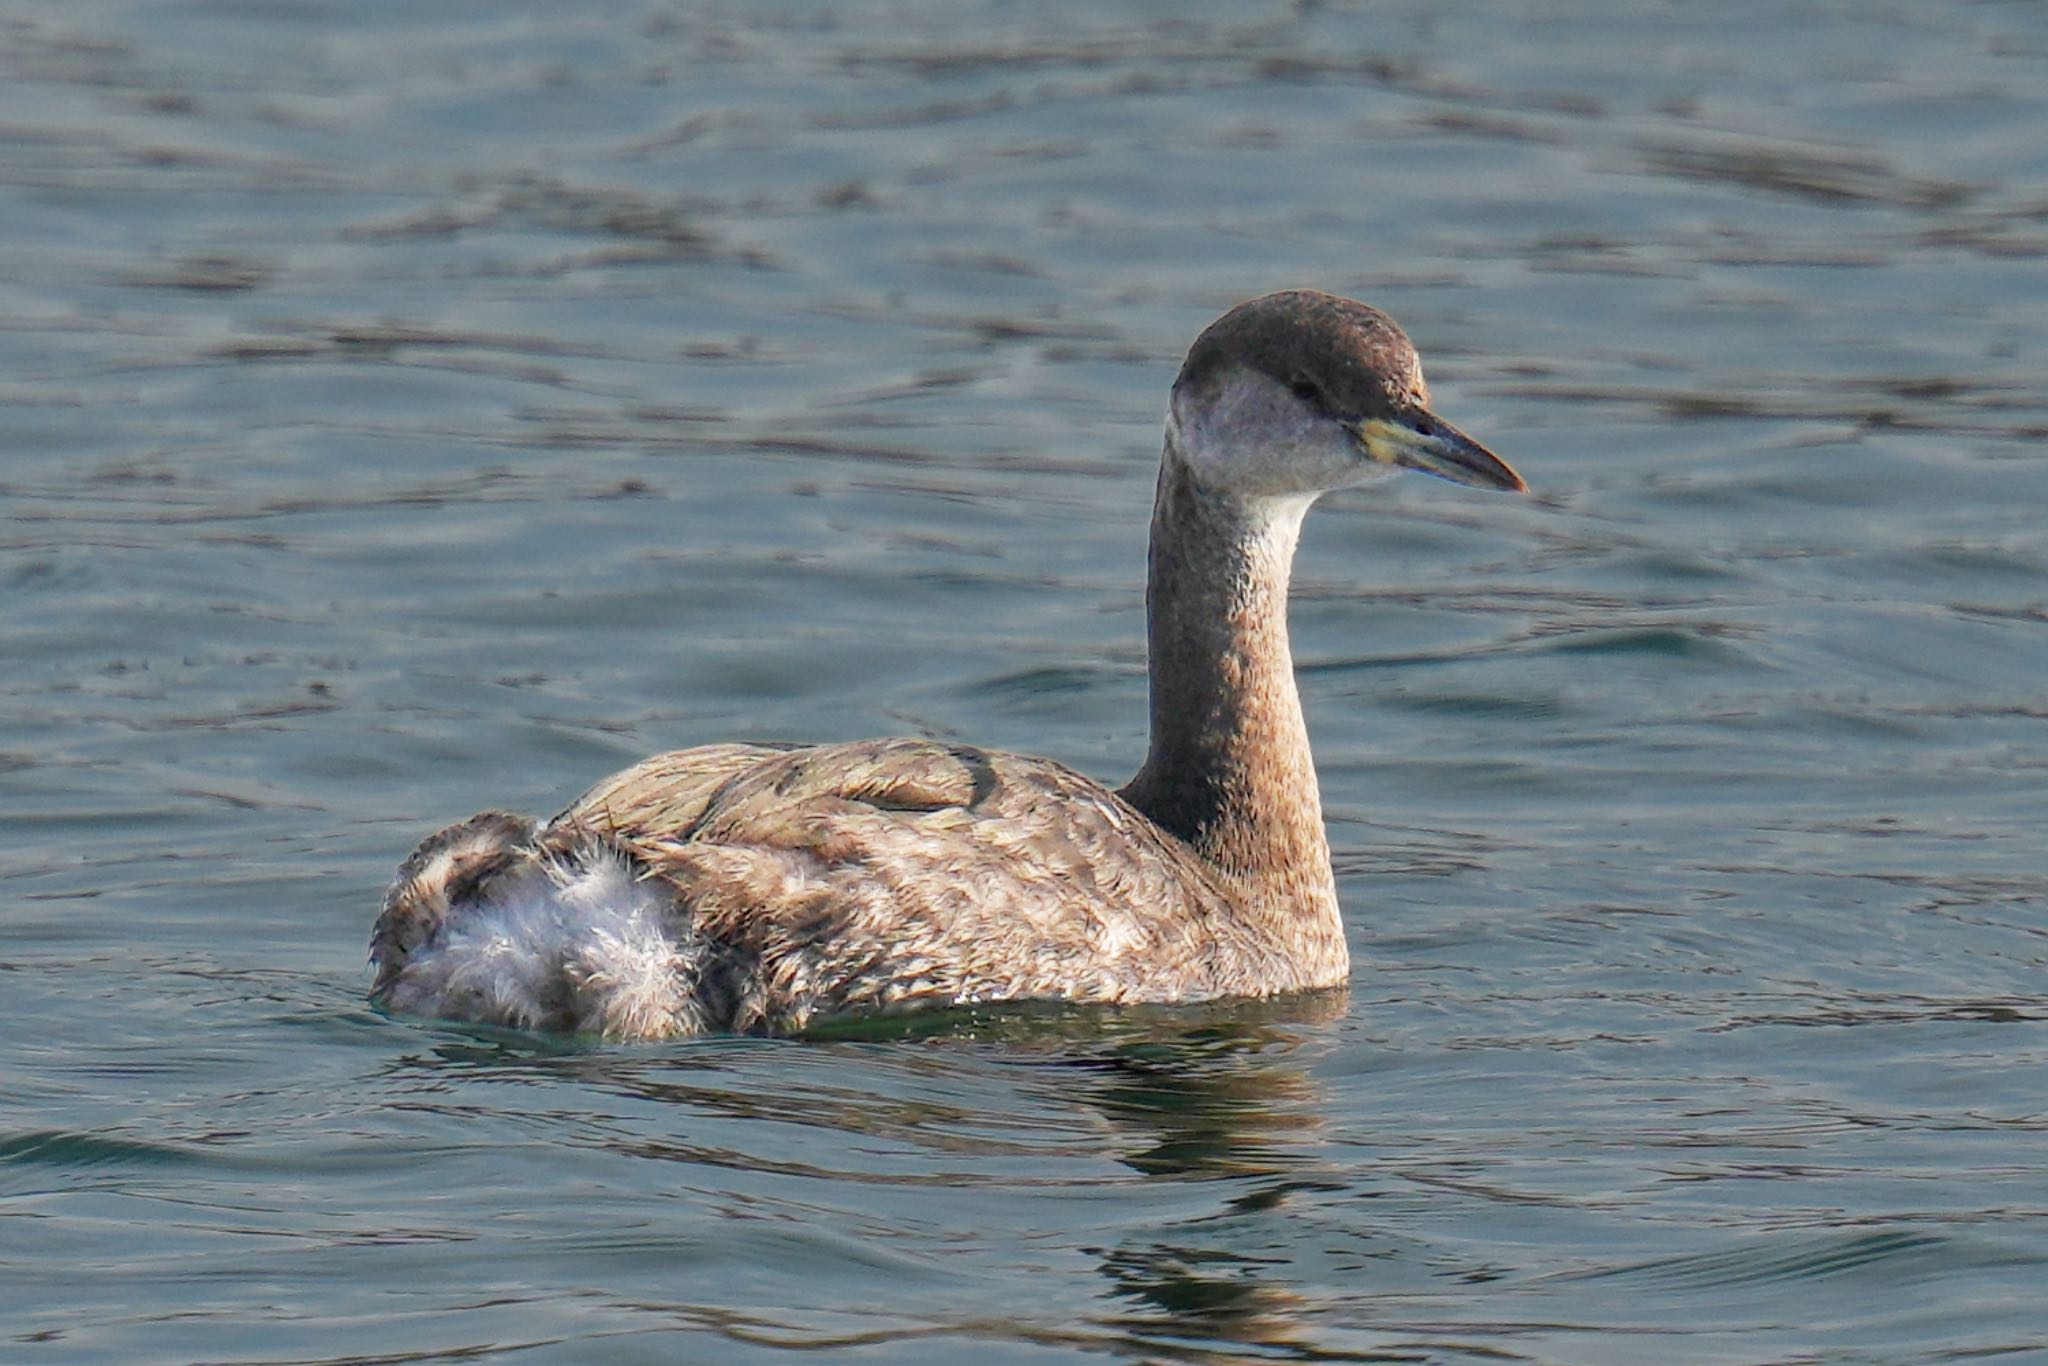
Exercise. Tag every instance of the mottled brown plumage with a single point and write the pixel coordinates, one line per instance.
(758, 888)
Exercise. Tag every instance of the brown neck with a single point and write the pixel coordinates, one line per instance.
(1229, 769)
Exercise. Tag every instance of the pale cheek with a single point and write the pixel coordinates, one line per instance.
(1293, 451)
(1251, 438)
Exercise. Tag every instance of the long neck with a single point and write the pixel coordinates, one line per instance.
(1229, 769)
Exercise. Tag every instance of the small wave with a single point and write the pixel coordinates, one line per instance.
(1803, 1259)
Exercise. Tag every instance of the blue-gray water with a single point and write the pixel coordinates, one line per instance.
(407, 409)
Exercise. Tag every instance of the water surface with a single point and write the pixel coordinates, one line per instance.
(405, 410)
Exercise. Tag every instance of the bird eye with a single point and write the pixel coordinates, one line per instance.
(1306, 391)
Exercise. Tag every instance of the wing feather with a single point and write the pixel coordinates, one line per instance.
(893, 872)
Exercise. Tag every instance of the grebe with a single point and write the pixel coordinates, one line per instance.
(763, 888)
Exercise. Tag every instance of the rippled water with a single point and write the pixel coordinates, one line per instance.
(405, 409)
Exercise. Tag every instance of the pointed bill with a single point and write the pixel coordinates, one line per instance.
(1420, 440)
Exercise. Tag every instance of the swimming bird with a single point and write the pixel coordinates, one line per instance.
(768, 888)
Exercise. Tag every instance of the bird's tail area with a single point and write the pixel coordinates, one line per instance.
(492, 922)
